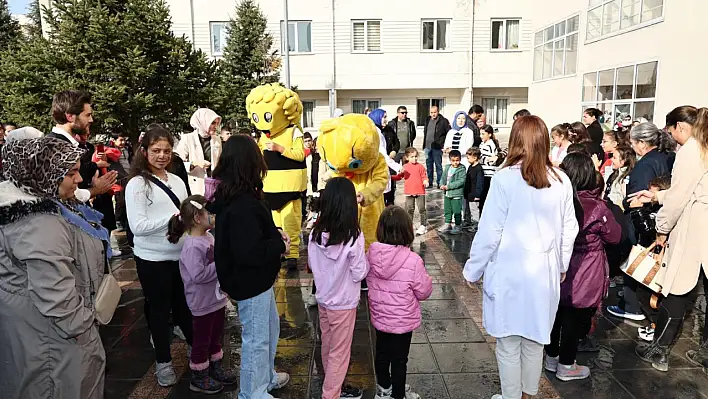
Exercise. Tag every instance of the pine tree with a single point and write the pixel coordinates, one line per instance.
(249, 60)
(34, 28)
(122, 52)
(10, 33)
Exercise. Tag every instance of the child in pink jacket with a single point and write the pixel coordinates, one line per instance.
(338, 262)
(397, 282)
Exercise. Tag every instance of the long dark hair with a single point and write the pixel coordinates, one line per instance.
(140, 166)
(339, 213)
(490, 130)
(629, 157)
(579, 133)
(529, 145)
(241, 169)
(179, 224)
(580, 171)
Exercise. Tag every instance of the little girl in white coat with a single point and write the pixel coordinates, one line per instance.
(523, 249)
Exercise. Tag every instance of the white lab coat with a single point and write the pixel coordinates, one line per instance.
(389, 162)
(524, 243)
(190, 150)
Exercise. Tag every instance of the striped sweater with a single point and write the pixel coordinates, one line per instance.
(488, 150)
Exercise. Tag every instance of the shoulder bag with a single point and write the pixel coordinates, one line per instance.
(107, 297)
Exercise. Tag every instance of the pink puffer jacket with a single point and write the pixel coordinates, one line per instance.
(397, 282)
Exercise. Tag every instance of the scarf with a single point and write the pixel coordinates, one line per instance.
(454, 126)
(377, 117)
(201, 121)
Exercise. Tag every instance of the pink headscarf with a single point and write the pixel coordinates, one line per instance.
(202, 119)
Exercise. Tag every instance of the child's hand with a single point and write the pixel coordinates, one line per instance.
(425, 182)
(596, 161)
(444, 188)
(360, 198)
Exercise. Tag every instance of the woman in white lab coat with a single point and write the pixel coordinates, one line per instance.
(523, 249)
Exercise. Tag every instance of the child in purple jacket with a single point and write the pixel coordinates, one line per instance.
(397, 282)
(338, 262)
(204, 297)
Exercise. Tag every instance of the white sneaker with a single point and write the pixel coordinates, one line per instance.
(115, 253)
(312, 301)
(281, 380)
(165, 373)
(382, 393)
(445, 228)
(421, 230)
(178, 333)
(497, 396)
(550, 363)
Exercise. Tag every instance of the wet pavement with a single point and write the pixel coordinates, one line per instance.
(451, 356)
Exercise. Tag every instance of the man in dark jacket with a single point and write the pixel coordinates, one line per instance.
(403, 128)
(434, 132)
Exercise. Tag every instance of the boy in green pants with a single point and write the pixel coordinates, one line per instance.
(453, 184)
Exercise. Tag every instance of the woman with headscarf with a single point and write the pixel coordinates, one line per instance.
(53, 251)
(387, 139)
(200, 150)
(460, 137)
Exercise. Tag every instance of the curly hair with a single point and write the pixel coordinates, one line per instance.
(288, 100)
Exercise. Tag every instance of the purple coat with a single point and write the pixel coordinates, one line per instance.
(587, 279)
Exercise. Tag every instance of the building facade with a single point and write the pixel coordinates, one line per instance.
(629, 58)
(369, 54)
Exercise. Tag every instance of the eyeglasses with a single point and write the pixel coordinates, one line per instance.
(403, 112)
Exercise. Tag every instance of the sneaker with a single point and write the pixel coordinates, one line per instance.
(655, 354)
(550, 363)
(574, 372)
(699, 357)
(445, 228)
(203, 383)
(281, 380)
(165, 373)
(497, 396)
(116, 253)
(588, 344)
(312, 301)
(470, 229)
(619, 312)
(382, 393)
(613, 283)
(421, 230)
(412, 395)
(455, 230)
(646, 333)
(350, 392)
(178, 333)
(218, 373)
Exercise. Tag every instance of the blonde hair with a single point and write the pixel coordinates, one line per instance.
(700, 132)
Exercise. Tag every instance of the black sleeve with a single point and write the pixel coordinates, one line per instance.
(177, 168)
(87, 168)
(393, 144)
(412, 131)
(477, 136)
(638, 180)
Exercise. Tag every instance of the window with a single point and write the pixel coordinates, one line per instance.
(505, 34)
(606, 17)
(423, 108)
(299, 36)
(308, 114)
(366, 36)
(436, 34)
(218, 38)
(359, 106)
(496, 110)
(627, 91)
(556, 49)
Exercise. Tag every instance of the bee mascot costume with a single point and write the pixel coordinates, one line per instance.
(349, 145)
(276, 112)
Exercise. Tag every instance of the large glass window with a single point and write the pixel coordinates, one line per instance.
(620, 93)
(218, 38)
(360, 106)
(299, 36)
(606, 17)
(423, 108)
(505, 34)
(435, 35)
(366, 36)
(308, 113)
(556, 49)
(496, 110)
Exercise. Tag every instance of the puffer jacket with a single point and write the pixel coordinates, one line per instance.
(587, 279)
(397, 282)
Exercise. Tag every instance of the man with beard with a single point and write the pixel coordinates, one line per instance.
(72, 112)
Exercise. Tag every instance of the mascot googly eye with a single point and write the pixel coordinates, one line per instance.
(255, 117)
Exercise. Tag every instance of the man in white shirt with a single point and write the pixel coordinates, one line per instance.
(72, 112)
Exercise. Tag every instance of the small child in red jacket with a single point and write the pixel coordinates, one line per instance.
(416, 179)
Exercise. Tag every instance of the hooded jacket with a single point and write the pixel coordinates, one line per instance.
(397, 282)
(338, 270)
(587, 279)
(390, 131)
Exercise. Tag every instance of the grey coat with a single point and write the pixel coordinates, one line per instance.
(51, 346)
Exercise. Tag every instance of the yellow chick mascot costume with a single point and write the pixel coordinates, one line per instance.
(276, 112)
(349, 145)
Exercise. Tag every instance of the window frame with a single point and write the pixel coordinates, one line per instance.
(493, 121)
(223, 24)
(304, 119)
(564, 38)
(366, 36)
(503, 48)
(614, 102)
(368, 100)
(282, 37)
(441, 103)
(594, 5)
(448, 48)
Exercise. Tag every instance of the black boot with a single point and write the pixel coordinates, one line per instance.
(699, 357)
(655, 354)
(217, 372)
(291, 264)
(201, 382)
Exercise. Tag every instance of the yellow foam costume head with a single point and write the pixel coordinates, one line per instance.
(272, 108)
(349, 144)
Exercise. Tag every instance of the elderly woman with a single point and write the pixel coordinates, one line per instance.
(52, 255)
(201, 149)
(683, 217)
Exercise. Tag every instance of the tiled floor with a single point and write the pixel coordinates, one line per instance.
(451, 356)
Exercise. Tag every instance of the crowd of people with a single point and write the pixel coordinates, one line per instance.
(204, 240)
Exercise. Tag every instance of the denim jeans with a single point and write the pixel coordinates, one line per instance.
(259, 337)
(433, 155)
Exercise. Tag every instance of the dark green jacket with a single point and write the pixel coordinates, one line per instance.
(456, 184)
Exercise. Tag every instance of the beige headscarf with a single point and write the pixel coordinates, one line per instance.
(202, 119)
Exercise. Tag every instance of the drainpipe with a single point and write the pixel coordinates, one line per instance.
(471, 87)
(287, 44)
(333, 89)
(191, 11)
